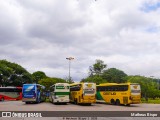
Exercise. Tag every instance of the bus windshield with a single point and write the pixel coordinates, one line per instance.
(135, 89)
(89, 88)
(29, 90)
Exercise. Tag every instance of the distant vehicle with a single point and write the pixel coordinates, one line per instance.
(33, 93)
(10, 93)
(59, 93)
(83, 93)
(122, 93)
(47, 93)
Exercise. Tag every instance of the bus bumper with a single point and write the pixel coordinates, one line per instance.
(28, 99)
(61, 101)
(88, 101)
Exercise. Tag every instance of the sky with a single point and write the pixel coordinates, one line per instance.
(40, 34)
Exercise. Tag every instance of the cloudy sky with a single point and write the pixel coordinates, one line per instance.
(40, 34)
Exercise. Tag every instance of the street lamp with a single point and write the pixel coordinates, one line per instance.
(69, 58)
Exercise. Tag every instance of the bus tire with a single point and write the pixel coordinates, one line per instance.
(89, 104)
(117, 102)
(2, 99)
(27, 102)
(39, 100)
(52, 100)
(75, 101)
(112, 102)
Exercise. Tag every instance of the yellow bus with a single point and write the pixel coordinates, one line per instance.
(122, 93)
(83, 93)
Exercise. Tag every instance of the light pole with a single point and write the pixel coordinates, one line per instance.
(69, 59)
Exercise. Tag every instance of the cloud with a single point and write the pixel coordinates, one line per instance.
(39, 35)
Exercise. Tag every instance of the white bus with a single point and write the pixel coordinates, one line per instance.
(59, 93)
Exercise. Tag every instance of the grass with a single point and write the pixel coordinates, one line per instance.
(151, 101)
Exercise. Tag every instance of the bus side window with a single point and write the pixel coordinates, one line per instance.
(116, 88)
(126, 88)
(1, 90)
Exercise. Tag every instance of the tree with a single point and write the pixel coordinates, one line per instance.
(47, 82)
(12, 74)
(97, 68)
(69, 80)
(114, 75)
(148, 86)
(38, 75)
(96, 79)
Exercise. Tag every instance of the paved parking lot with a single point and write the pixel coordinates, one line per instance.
(47, 106)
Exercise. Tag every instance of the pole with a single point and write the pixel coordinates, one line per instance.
(69, 70)
(69, 58)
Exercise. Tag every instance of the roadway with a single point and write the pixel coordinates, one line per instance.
(47, 106)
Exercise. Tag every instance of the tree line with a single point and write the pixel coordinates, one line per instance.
(12, 74)
(99, 73)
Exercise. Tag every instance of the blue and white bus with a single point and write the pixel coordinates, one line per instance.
(33, 93)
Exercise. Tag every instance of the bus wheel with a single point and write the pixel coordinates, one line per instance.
(89, 104)
(52, 100)
(117, 102)
(27, 102)
(38, 100)
(112, 102)
(75, 101)
(2, 99)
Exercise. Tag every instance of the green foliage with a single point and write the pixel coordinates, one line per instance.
(148, 86)
(99, 74)
(96, 79)
(12, 74)
(69, 80)
(97, 68)
(114, 75)
(38, 75)
(151, 100)
(47, 82)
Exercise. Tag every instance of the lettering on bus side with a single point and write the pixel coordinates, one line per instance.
(109, 93)
(123, 93)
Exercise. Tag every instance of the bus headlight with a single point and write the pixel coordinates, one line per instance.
(56, 97)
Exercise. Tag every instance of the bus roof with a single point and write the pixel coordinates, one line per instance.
(81, 83)
(8, 87)
(59, 83)
(35, 84)
(104, 84)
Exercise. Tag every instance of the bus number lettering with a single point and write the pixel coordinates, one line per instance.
(109, 93)
(105, 93)
(113, 93)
